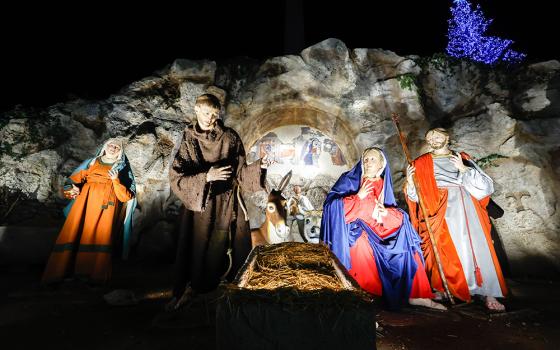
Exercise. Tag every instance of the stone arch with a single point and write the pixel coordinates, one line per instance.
(335, 126)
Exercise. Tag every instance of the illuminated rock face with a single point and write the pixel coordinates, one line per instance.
(346, 94)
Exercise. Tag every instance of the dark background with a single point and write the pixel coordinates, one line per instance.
(53, 52)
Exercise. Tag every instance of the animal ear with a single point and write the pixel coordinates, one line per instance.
(285, 181)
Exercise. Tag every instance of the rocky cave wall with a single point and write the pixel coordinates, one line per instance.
(507, 119)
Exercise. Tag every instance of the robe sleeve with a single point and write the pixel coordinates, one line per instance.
(355, 208)
(392, 221)
(188, 180)
(79, 177)
(250, 176)
(477, 183)
(352, 208)
(411, 193)
(306, 204)
(123, 194)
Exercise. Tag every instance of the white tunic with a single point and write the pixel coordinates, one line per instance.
(461, 216)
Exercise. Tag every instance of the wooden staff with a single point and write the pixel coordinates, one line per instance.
(395, 118)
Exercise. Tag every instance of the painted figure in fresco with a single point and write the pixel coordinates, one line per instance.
(332, 148)
(373, 238)
(102, 190)
(311, 152)
(207, 174)
(266, 150)
(456, 193)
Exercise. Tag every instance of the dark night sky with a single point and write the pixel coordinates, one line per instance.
(50, 53)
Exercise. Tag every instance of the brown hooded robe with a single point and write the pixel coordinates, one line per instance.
(212, 219)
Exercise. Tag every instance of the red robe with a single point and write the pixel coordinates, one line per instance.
(364, 268)
(435, 200)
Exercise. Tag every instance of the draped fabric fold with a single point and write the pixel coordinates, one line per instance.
(436, 202)
(104, 206)
(394, 254)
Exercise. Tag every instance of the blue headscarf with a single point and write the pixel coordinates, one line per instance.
(394, 254)
(126, 178)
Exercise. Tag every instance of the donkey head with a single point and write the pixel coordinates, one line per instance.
(276, 211)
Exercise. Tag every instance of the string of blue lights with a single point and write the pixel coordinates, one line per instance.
(467, 27)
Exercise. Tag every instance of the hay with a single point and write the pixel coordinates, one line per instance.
(304, 267)
(294, 296)
(295, 274)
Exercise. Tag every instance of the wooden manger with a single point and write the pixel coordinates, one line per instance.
(294, 296)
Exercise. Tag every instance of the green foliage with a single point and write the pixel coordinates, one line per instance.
(489, 160)
(439, 61)
(443, 62)
(408, 81)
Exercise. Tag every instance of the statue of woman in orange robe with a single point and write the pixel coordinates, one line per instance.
(103, 193)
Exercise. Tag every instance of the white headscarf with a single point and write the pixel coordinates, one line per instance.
(119, 163)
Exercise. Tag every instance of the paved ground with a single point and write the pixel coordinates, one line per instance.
(76, 316)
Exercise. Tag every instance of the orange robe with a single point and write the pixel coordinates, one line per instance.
(84, 243)
(435, 200)
(364, 269)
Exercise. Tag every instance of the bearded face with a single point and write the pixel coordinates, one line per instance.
(437, 140)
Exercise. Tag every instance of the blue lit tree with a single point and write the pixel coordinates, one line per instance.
(467, 39)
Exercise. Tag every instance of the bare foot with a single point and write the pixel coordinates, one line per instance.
(429, 303)
(438, 296)
(494, 305)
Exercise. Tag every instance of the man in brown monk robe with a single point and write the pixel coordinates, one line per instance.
(208, 174)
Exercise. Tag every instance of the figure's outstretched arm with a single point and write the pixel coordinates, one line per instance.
(79, 177)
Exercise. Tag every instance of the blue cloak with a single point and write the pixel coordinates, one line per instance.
(394, 254)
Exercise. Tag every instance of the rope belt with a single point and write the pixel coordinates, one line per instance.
(98, 179)
(230, 243)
